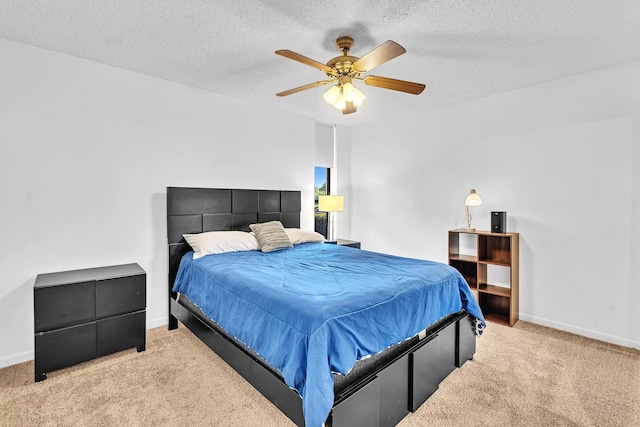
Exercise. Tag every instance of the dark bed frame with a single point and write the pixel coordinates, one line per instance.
(379, 394)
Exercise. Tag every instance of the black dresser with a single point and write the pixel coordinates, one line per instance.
(83, 314)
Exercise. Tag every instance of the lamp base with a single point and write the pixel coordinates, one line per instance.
(467, 229)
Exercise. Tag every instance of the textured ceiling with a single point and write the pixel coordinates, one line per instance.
(461, 49)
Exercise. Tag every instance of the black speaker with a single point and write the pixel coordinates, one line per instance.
(498, 222)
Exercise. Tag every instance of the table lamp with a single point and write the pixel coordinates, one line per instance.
(330, 204)
(472, 200)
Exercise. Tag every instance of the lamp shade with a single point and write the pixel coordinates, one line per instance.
(331, 203)
(473, 199)
(331, 96)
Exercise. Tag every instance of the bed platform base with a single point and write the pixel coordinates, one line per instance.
(382, 398)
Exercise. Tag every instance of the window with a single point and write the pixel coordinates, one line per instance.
(321, 188)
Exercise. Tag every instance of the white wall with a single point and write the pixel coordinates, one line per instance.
(342, 181)
(86, 154)
(561, 158)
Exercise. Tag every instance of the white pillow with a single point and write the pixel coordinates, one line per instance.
(300, 236)
(218, 242)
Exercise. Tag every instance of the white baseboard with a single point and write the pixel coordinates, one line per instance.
(625, 342)
(14, 359)
(157, 322)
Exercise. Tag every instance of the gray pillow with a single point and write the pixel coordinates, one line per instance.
(271, 236)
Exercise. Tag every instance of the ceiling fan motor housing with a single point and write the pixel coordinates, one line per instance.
(345, 42)
(343, 65)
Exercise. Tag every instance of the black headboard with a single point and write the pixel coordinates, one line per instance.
(195, 210)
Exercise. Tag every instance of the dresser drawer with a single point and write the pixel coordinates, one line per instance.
(120, 295)
(430, 364)
(64, 347)
(58, 306)
(359, 409)
(121, 332)
(424, 370)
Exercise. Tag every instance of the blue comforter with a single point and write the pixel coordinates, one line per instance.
(318, 308)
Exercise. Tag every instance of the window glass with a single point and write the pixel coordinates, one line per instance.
(321, 188)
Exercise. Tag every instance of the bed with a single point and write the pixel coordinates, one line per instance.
(348, 373)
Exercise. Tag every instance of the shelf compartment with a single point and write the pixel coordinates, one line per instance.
(495, 308)
(494, 249)
(468, 270)
(494, 274)
(463, 247)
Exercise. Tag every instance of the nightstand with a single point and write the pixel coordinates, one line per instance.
(345, 242)
(83, 314)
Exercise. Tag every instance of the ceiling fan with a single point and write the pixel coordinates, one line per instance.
(343, 70)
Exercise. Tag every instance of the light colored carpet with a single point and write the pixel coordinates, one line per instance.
(522, 376)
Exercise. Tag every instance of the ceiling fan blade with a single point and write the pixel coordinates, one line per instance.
(350, 108)
(307, 61)
(378, 56)
(393, 84)
(305, 87)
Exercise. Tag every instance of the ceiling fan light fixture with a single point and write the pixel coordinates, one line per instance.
(358, 97)
(341, 102)
(349, 91)
(331, 96)
(343, 93)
